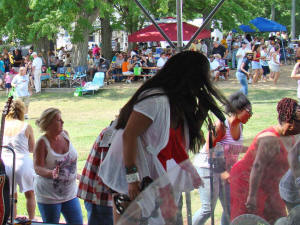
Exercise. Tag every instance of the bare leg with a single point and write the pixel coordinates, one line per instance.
(276, 76)
(30, 204)
(255, 76)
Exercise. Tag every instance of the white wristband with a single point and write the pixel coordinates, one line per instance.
(133, 177)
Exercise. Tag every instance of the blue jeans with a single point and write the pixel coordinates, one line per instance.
(99, 215)
(242, 78)
(221, 190)
(71, 211)
(233, 59)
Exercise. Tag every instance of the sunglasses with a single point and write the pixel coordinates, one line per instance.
(249, 110)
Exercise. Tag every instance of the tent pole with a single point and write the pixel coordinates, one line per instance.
(155, 24)
(205, 22)
(179, 25)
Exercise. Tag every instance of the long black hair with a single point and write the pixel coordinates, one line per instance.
(185, 80)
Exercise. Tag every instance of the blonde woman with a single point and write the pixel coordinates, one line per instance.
(55, 162)
(19, 135)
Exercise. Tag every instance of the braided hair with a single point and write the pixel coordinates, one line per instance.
(286, 109)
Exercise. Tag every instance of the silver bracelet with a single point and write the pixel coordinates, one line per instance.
(297, 182)
(133, 177)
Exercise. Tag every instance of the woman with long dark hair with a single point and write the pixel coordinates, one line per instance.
(179, 96)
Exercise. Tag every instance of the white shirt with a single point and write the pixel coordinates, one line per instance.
(161, 62)
(37, 64)
(204, 49)
(21, 85)
(154, 139)
(240, 55)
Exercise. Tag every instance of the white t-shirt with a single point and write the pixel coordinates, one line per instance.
(204, 48)
(37, 64)
(240, 55)
(21, 85)
(161, 62)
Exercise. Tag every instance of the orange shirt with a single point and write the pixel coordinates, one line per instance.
(125, 66)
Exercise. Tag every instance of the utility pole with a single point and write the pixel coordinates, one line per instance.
(293, 22)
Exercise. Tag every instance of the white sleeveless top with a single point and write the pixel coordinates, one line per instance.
(50, 191)
(18, 142)
(112, 169)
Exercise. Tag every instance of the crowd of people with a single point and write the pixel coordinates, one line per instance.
(162, 121)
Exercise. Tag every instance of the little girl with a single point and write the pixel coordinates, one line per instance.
(7, 79)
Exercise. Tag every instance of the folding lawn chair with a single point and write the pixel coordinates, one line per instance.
(95, 85)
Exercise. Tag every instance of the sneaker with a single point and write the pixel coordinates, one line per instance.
(250, 81)
(26, 117)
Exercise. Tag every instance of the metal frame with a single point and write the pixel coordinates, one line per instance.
(12, 199)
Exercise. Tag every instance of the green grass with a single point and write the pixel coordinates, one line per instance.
(86, 116)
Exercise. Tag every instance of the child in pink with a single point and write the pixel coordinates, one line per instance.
(7, 79)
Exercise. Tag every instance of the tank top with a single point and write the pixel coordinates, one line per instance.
(257, 56)
(19, 143)
(231, 147)
(53, 191)
(228, 147)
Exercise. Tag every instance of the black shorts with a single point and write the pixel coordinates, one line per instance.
(266, 70)
(8, 85)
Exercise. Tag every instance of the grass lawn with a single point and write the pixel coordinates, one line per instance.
(86, 116)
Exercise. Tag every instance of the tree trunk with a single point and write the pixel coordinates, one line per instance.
(42, 46)
(106, 35)
(293, 21)
(80, 48)
(273, 12)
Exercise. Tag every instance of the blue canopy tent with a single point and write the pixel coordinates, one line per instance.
(246, 28)
(265, 25)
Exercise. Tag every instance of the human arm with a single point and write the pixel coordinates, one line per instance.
(220, 131)
(296, 73)
(39, 161)
(267, 148)
(30, 136)
(137, 124)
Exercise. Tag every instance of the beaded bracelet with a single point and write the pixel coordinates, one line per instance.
(130, 170)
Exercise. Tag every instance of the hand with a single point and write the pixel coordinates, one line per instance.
(225, 176)
(133, 190)
(55, 172)
(251, 204)
(197, 181)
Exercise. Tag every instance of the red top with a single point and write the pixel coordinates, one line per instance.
(269, 204)
(257, 56)
(175, 149)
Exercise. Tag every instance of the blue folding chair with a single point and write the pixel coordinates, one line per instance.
(95, 85)
(79, 76)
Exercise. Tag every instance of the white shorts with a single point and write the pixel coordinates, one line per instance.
(274, 68)
(24, 174)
